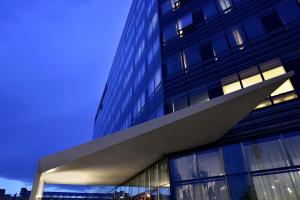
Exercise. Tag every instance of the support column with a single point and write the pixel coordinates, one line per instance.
(37, 187)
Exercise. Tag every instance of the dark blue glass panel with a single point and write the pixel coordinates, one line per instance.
(272, 22)
(253, 27)
(173, 64)
(233, 158)
(169, 32)
(240, 187)
(191, 56)
(207, 52)
(288, 11)
(219, 43)
(210, 10)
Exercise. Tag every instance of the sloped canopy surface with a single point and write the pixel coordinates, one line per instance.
(115, 158)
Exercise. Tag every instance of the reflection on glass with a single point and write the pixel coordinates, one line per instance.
(198, 98)
(292, 145)
(210, 190)
(265, 155)
(225, 5)
(185, 168)
(164, 193)
(275, 186)
(209, 164)
(163, 173)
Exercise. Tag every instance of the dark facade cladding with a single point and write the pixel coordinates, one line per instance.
(194, 51)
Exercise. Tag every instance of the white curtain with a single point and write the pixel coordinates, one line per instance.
(265, 155)
(215, 190)
(276, 186)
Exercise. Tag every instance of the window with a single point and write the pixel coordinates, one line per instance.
(173, 64)
(154, 82)
(198, 17)
(198, 98)
(207, 52)
(288, 11)
(151, 87)
(250, 76)
(272, 22)
(236, 37)
(210, 10)
(169, 32)
(210, 164)
(219, 43)
(157, 78)
(267, 154)
(191, 56)
(272, 69)
(292, 145)
(276, 186)
(154, 177)
(183, 23)
(167, 6)
(253, 27)
(163, 170)
(184, 168)
(224, 5)
(208, 190)
(179, 103)
(231, 84)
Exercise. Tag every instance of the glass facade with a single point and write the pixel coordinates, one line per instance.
(175, 54)
(151, 184)
(251, 169)
(134, 93)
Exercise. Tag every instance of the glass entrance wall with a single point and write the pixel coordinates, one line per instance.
(265, 168)
(151, 184)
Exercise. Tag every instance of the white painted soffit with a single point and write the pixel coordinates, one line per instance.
(115, 158)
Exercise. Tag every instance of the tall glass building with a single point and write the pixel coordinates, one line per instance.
(175, 55)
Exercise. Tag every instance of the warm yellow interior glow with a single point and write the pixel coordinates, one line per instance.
(283, 93)
(252, 80)
(286, 97)
(286, 87)
(231, 87)
(264, 104)
(274, 72)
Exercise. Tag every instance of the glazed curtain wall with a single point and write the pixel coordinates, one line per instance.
(265, 168)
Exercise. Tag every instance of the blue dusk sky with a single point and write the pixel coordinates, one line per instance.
(55, 56)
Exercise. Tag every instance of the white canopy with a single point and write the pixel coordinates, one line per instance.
(113, 159)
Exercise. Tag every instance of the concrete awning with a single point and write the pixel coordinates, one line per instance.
(115, 158)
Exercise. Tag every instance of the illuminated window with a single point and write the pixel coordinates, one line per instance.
(184, 22)
(236, 37)
(231, 84)
(273, 69)
(250, 77)
(225, 5)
